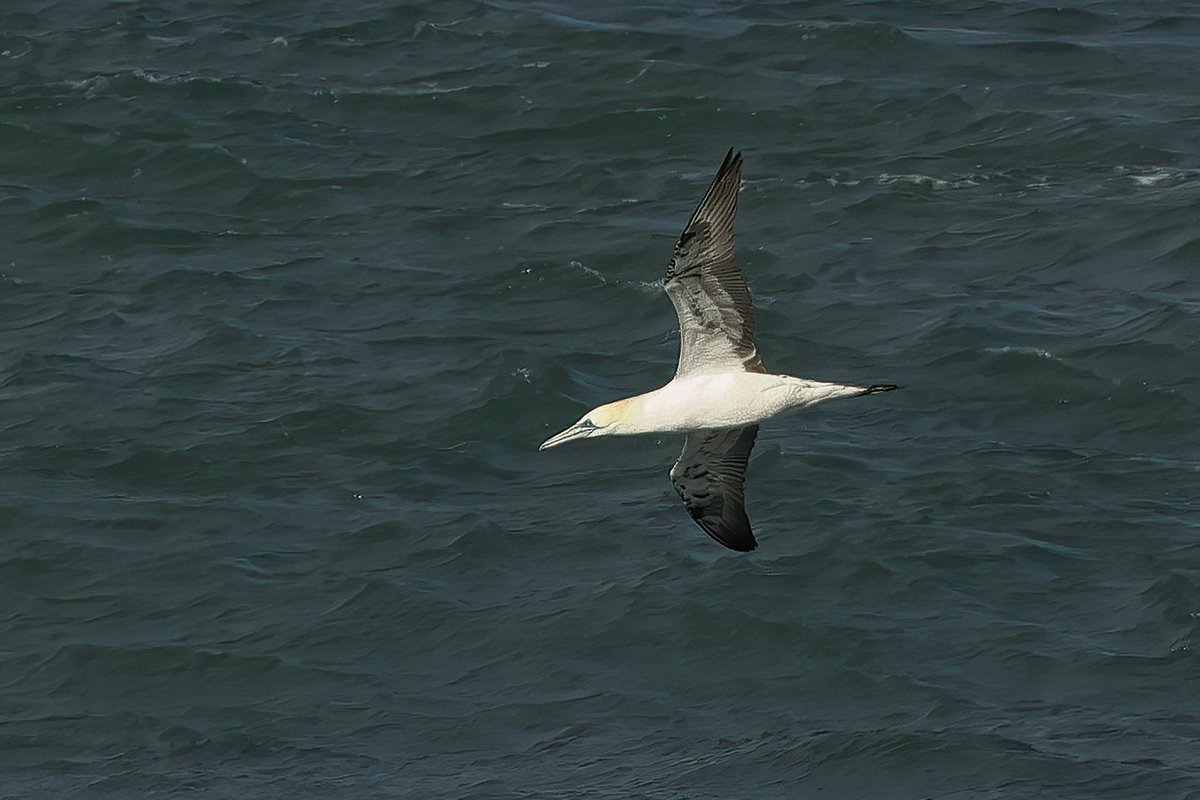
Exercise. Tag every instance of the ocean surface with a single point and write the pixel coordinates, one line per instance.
(290, 292)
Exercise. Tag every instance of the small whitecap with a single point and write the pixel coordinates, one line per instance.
(1151, 179)
(589, 271)
(90, 86)
(918, 179)
(156, 77)
(644, 70)
(1023, 351)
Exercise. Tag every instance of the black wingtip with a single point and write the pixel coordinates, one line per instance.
(731, 160)
(881, 387)
(741, 541)
(735, 535)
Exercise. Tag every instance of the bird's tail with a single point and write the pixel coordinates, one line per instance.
(879, 387)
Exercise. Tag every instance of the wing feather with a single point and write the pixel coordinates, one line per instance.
(707, 287)
(709, 477)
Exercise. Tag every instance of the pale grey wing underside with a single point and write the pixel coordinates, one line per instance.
(709, 477)
(704, 282)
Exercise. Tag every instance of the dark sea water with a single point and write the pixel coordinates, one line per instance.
(290, 293)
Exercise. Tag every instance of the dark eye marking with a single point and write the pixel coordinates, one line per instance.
(587, 423)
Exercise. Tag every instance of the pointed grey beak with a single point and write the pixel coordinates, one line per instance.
(573, 432)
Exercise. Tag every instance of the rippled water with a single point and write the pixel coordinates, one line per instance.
(290, 293)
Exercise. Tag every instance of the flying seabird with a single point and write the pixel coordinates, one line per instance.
(720, 391)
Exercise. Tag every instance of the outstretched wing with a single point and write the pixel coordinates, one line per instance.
(707, 288)
(709, 476)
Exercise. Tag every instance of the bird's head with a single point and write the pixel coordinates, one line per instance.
(604, 420)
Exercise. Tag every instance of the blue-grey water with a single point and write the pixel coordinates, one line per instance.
(291, 291)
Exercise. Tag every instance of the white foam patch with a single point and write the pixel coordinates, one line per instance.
(1024, 351)
(1157, 176)
(917, 179)
(589, 271)
(1151, 179)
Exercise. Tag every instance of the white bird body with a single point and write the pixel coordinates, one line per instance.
(722, 400)
(720, 391)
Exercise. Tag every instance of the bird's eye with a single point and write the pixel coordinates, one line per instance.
(587, 423)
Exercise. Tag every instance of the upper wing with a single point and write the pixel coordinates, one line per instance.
(704, 282)
(709, 476)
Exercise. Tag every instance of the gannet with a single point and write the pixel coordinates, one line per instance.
(720, 391)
